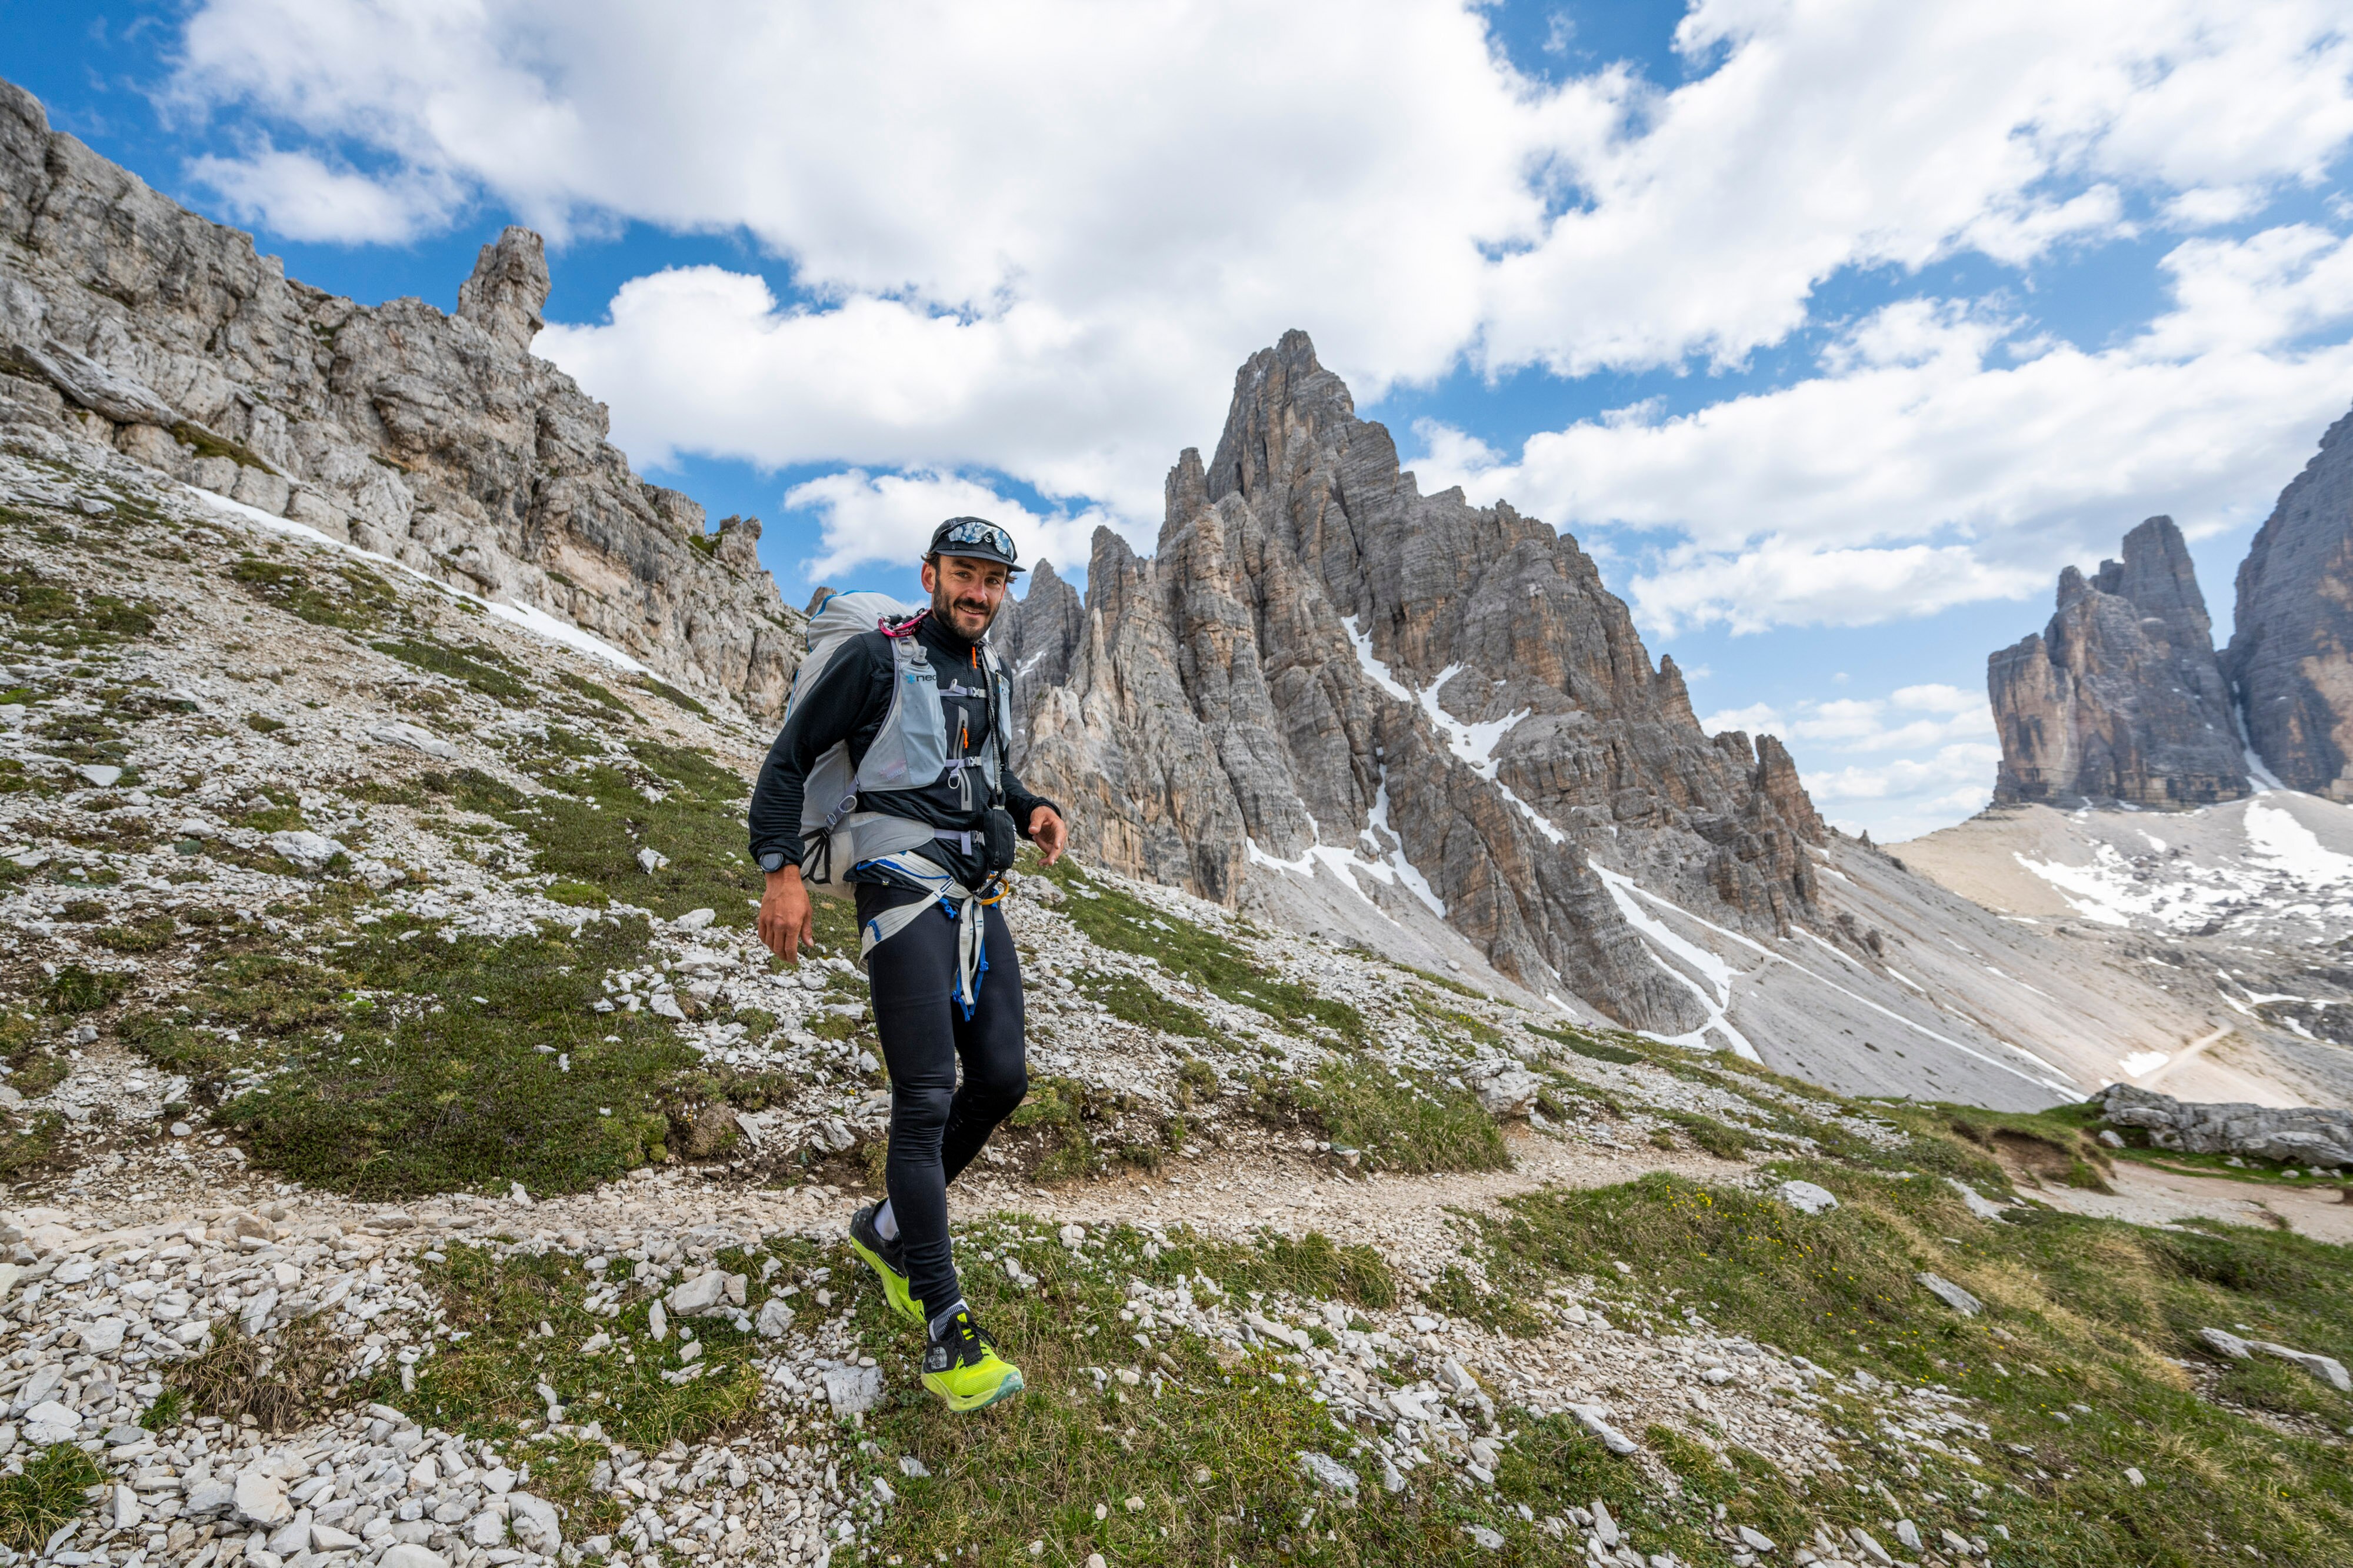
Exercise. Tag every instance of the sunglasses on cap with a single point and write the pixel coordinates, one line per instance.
(987, 535)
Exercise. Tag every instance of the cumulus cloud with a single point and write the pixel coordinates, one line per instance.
(1026, 242)
(303, 196)
(1948, 453)
(1899, 766)
(1053, 229)
(889, 518)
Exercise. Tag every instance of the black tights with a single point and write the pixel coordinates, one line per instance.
(936, 1125)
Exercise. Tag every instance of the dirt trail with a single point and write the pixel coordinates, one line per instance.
(1228, 1193)
(2146, 1194)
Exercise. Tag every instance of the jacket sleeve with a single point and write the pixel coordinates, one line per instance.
(835, 709)
(1020, 803)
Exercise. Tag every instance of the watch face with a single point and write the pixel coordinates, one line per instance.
(773, 860)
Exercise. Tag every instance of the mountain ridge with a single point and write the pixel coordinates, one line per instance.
(129, 323)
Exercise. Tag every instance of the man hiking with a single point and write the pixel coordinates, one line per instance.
(891, 776)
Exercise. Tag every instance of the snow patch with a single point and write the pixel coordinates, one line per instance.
(1473, 743)
(1717, 973)
(2140, 1064)
(531, 617)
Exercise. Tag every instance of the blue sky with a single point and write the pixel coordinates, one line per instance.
(1832, 327)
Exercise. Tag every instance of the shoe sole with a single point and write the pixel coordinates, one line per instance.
(1005, 1389)
(894, 1284)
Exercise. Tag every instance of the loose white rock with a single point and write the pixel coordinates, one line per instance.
(1950, 1294)
(1805, 1197)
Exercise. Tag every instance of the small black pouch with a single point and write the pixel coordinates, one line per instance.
(1001, 843)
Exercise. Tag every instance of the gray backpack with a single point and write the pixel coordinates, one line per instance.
(909, 752)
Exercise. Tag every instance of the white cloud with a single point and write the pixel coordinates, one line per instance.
(890, 518)
(1945, 770)
(1945, 454)
(1037, 236)
(303, 198)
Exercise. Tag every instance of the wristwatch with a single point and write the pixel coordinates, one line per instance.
(773, 860)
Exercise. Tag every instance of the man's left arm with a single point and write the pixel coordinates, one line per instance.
(1037, 818)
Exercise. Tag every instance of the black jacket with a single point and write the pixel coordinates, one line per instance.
(850, 702)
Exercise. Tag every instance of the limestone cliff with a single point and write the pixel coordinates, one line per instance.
(127, 320)
(2120, 697)
(1323, 667)
(2291, 653)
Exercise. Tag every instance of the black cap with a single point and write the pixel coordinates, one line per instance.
(975, 539)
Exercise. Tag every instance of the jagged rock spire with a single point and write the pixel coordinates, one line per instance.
(2120, 697)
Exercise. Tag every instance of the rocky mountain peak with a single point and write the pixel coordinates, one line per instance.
(509, 288)
(1322, 673)
(2291, 653)
(132, 324)
(2120, 697)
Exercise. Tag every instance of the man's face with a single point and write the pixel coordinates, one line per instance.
(966, 592)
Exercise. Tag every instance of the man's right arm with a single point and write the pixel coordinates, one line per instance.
(835, 709)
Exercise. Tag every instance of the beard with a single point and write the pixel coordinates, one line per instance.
(945, 604)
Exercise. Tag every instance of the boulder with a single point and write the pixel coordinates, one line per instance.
(706, 1292)
(1504, 1087)
(401, 733)
(535, 1523)
(1328, 1473)
(307, 850)
(2295, 1135)
(2327, 1369)
(261, 1498)
(1950, 1294)
(1805, 1197)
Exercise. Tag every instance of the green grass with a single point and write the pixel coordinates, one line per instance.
(1395, 1124)
(30, 1142)
(408, 1084)
(1718, 1138)
(486, 1383)
(2087, 1312)
(1119, 921)
(37, 1503)
(73, 989)
(588, 836)
(673, 696)
(475, 665)
(1141, 1003)
(362, 601)
(1585, 1045)
(63, 617)
(1210, 1447)
(209, 445)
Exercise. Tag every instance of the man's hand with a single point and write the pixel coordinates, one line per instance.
(787, 922)
(1045, 827)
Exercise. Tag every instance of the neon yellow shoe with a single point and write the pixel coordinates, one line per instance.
(963, 1367)
(887, 1261)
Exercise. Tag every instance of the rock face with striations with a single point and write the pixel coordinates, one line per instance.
(438, 440)
(1322, 667)
(2291, 653)
(2120, 697)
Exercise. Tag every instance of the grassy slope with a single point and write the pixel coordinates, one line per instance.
(338, 1048)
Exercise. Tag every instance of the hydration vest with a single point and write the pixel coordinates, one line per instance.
(845, 812)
